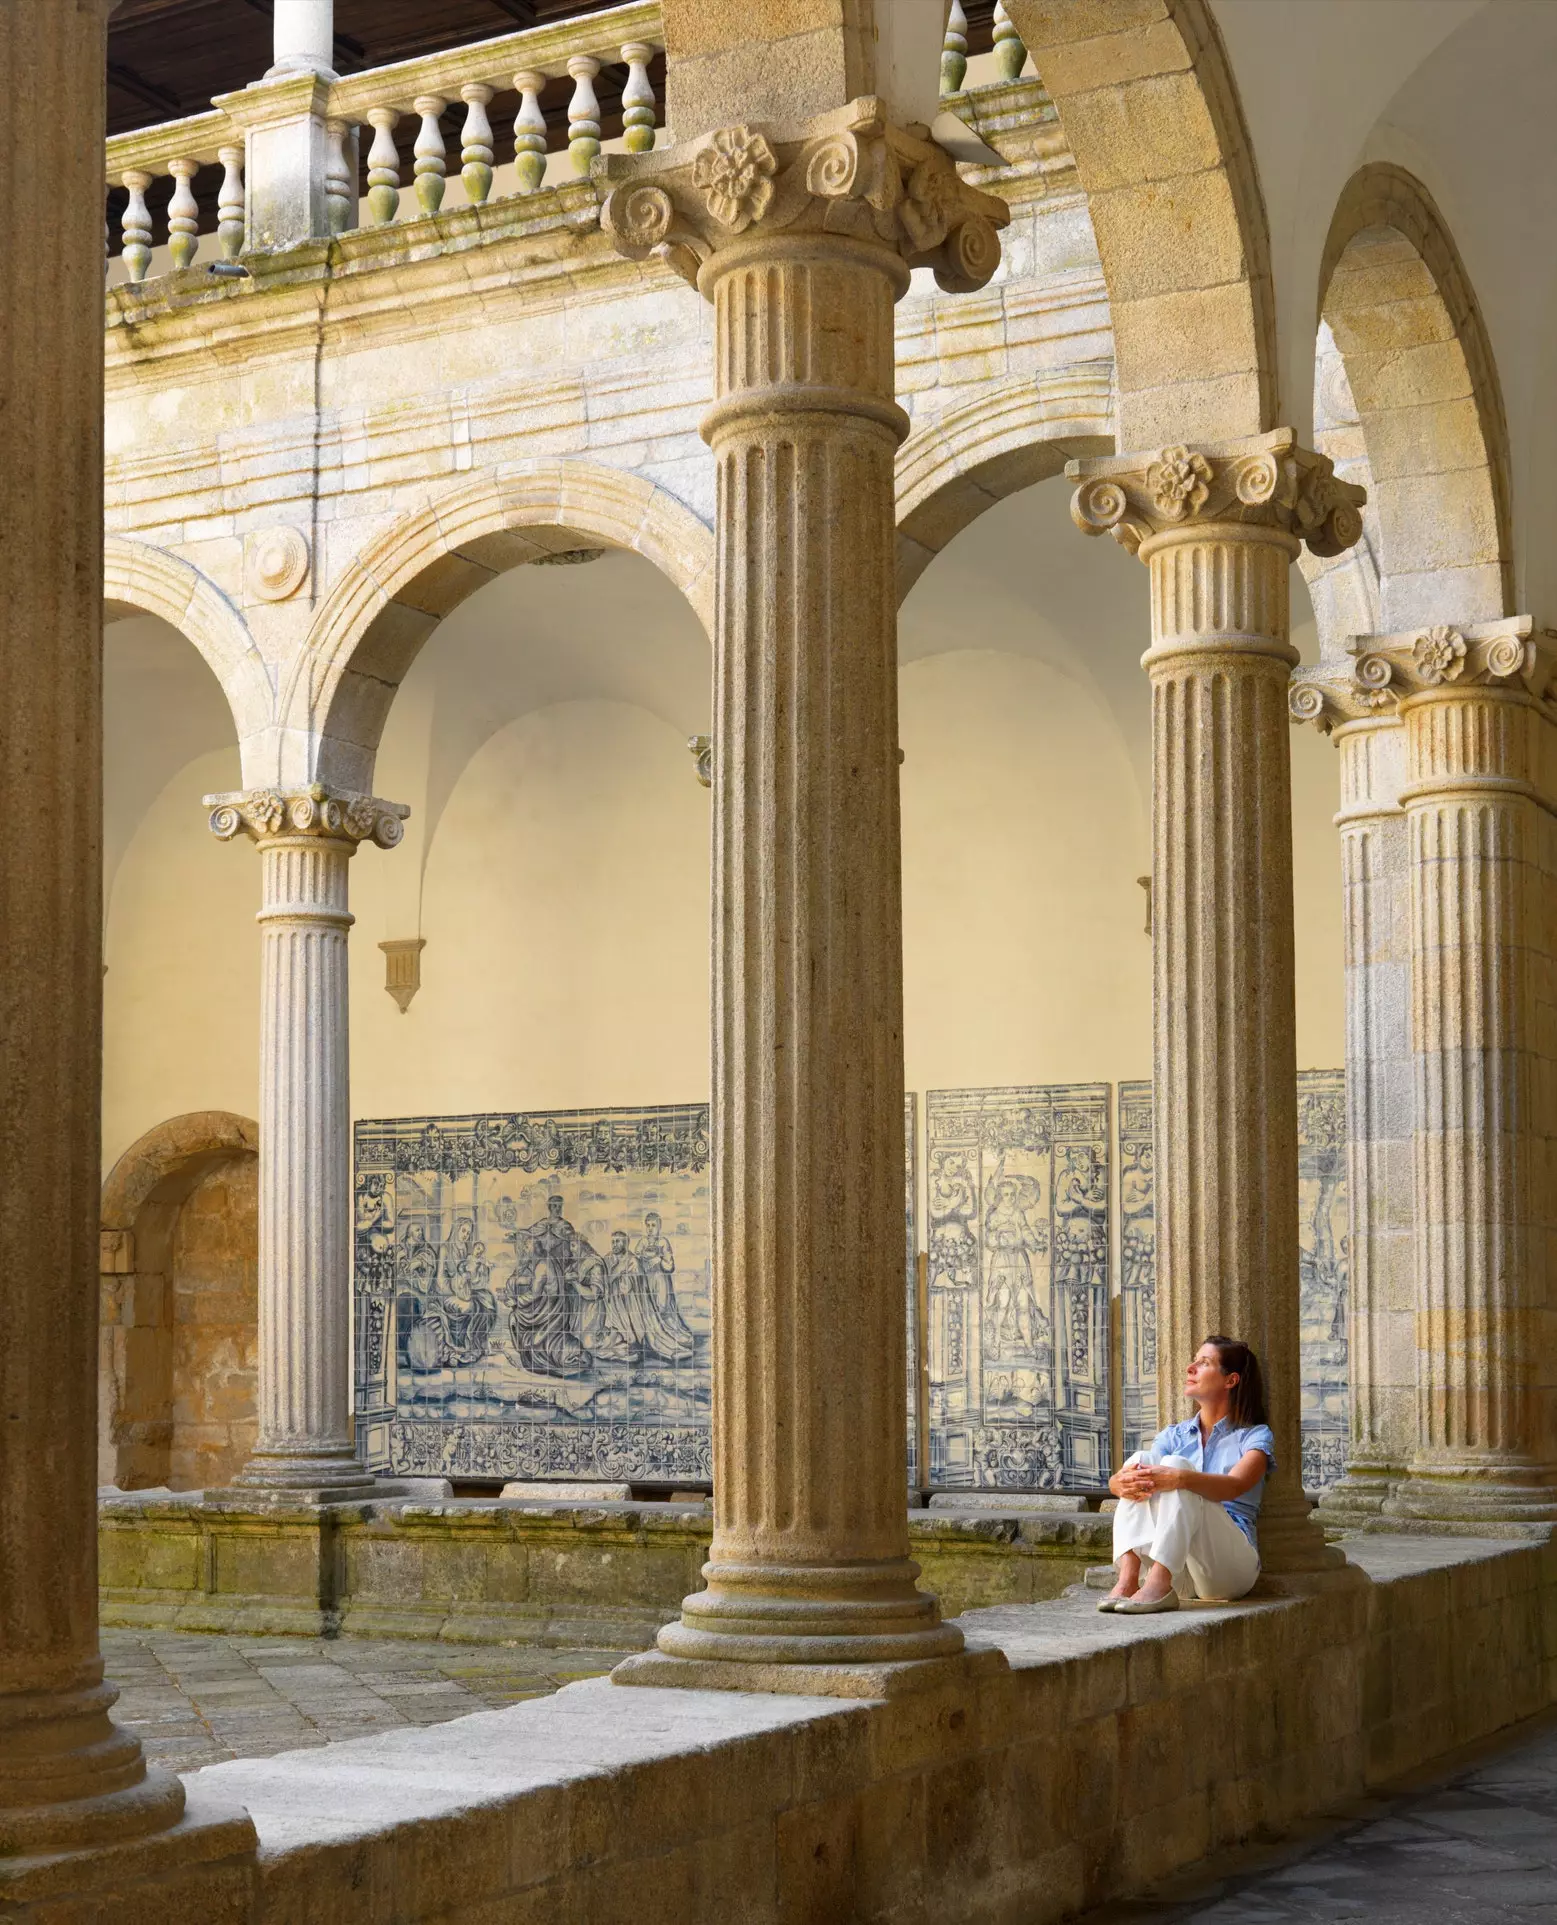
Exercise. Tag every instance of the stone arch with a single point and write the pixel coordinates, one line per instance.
(1010, 436)
(1150, 111)
(139, 579)
(176, 1387)
(1419, 366)
(393, 595)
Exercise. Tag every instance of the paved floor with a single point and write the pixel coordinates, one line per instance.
(194, 1700)
(1477, 1847)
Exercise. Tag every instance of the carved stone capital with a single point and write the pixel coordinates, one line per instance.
(1385, 670)
(267, 815)
(850, 172)
(1266, 481)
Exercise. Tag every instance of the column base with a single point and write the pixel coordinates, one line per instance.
(891, 1680)
(1292, 1541)
(71, 1777)
(329, 1478)
(1468, 1496)
(1361, 1495)
(203, 1867)
(780, 1618)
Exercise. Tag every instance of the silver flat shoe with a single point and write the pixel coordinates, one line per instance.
(1113, 1603)
(1140, 1607)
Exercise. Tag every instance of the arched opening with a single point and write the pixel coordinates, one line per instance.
(1403, 354)
(178, 1334)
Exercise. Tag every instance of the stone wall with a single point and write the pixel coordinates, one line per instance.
(1064, 1765)
(604, 1574)
(215, 1327)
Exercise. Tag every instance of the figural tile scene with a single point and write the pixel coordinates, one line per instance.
(778, 961)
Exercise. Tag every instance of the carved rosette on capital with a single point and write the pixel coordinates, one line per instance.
(306, 838)
(1219, 527)
(802, 237)
(1476, 706)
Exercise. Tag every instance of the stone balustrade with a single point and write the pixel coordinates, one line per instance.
(443, 102)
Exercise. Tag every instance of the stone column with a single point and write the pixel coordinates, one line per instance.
(305, 839)
(1481, 806)
(302, 38)
(1381, 1308)
(802, 237)
(1219, 528)
(69, 1777)
(289, 151)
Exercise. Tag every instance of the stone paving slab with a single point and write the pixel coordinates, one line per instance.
(194, 1699)
(1478, 1847)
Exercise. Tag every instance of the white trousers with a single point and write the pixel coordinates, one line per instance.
(1180, 1530)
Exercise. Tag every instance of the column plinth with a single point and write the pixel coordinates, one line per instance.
(802, 239)
(304, 1441)
(1219, 528)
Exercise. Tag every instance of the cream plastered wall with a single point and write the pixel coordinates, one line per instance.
(556, 862)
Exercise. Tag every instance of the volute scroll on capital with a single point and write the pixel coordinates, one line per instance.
(1382, 671)
(270, 814)
(850, 172)
(1264, 481)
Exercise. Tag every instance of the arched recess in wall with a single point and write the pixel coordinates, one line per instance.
(392, 597)
(141, 579)
(1411, 337)
(177, 1341)
(1150, 112)
(964, 461)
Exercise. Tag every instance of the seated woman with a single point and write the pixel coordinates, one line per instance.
(1191, 1501)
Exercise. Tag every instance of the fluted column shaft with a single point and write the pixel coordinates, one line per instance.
(1225, 1051)
(1219, 528)
(802, 238)
(810, 1533)
(1480, 889)
(304, 1440)
(68, 1775)
(1381, 1294)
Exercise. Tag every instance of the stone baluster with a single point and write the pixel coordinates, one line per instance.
(305, 841)
(136, 227)
(1381, 1307)
(183, 213)
(583, 112)
(69, 1777)
(1219, 528)
(432, 164)
(383, 167)
(476, 149)
(529, 132)
(1010, 54)
(340, 177)
(809, 1564)
(229, 206)
(638, 99)
(954, 50)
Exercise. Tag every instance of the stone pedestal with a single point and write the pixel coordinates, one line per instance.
(73, 1786)
(1219, 528)
(802, 238)
(304, 1446)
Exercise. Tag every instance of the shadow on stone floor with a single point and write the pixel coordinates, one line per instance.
(195, 1699)
(1473, 1843)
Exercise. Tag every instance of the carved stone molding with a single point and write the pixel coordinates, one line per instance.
(850, 173)
(268, 814)
(1385, 670)
(1265, 481)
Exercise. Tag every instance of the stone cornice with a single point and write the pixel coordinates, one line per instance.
(273, 815)
(1383, 671)
(850, 173)
(1265, 481)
